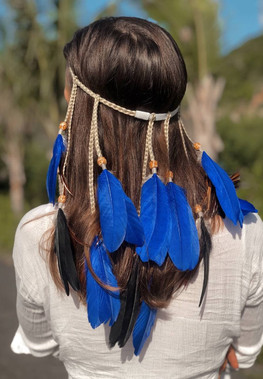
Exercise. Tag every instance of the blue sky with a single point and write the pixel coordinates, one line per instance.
(240, 20)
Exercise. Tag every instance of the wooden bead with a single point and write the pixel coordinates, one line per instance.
(153, 164)
(198, 208)
(62, 199)
(197, 145)
(169, 175)
(101, 161)
(63, 125)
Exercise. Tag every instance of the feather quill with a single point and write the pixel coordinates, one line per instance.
(130, 307)
(183, 246)
(103, 305)
(51, 181)
(155, 218)
(247, 207)
(225, 189)
(206, 246)
(64, 252)
(143, 326)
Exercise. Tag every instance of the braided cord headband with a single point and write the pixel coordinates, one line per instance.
(137, 113)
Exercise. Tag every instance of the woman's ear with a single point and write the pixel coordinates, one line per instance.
(66, 94)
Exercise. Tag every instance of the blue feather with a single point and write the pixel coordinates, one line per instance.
(225, 190)
(134, 231)
(113, 214)
(51, 182)
(184, 246)
(102, 305)
(143, 326)
(247, 207)
(155, 218)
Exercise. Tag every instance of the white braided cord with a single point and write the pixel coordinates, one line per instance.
(166, 131)
(70, 111)
(182, 130)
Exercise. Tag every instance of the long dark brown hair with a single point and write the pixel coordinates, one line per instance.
(136, 64)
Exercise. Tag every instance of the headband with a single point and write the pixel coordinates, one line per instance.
(137, 113)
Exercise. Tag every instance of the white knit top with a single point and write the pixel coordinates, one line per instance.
(186, 341)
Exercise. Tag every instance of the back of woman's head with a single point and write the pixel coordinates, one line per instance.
(129, 61)
(137, 65)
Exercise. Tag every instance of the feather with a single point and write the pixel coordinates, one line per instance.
(184, 246)
(225, 189)
(155, 218)
(134, 230)
(206, 246)
(247, 207)
(51, 181)
(113, 214)
(115, 330)
(103, 305)
(130, 305)
(235, 179)
(64, 252)
(143, 326)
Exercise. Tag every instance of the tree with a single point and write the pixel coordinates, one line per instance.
(193, 24)
(32, 78)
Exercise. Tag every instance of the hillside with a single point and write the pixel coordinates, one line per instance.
(243, 71)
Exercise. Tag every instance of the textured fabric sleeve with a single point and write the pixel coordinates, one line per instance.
(34, 334)
(250, 342)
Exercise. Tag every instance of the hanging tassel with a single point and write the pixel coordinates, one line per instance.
(205, 248)
(130, 306)
(247, 207)
(118, 217)
(183, 246)
(143, 326)
(102, 305)
(225, 189)
(64, 252)
(156, 219)
(51, 182)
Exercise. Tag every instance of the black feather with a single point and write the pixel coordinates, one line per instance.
(115, 330)
(205, 248)
(130, 306)
(64, 252)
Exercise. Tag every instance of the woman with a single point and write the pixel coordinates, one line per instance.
(123, 148)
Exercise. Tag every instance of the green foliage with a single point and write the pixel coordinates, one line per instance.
(242, 69)
(36, 165)
(8, 224)
(243, 153)
(194, 26)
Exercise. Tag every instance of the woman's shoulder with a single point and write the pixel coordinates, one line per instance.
(253, 229)
(37, 215)
(251, 238)
(36, 222)
(30, 231)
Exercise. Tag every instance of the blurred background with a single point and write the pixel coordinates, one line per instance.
(221, 41)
